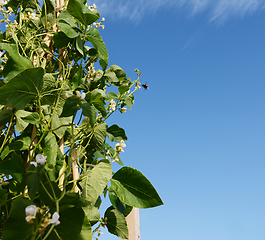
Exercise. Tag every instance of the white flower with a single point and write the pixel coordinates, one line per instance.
(32, 16)
(31, 211)
(41, 159)
(103, 19)
(80, 95)
(122, 143)
(55, 219)
(66, 95)
(3, 3)
(34, 163)
(112, 104)
(83, 95)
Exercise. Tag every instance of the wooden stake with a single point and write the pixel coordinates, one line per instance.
(75, 170)
(133, 224)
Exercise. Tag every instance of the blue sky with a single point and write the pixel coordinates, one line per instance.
(198, 133)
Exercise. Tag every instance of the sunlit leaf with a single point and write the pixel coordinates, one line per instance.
(116, 223)
(22, 88)
(134, 189)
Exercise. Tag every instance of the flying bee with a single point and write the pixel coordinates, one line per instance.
(145, 86)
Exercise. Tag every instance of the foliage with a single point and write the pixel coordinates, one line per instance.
(56, 149)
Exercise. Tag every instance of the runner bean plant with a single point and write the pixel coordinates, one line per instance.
(56, 149)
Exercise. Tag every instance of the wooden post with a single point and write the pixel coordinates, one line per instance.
(133, 223)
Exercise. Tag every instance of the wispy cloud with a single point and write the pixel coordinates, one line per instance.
(217, 10)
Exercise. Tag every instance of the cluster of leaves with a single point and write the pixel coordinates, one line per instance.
(51, 97)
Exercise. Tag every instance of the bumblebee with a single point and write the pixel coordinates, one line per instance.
(145, 86)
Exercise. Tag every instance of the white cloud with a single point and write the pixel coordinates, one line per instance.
(217, 10)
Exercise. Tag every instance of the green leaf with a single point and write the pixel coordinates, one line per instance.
(110, 77)
(99, 136)
(60, 40)
(92, 214)
(33, 182)
(5, 116)
(121, 75)
(32, 118)
(116, 202)
(116, 133)
(116, 223)
(74, 199)
(98, 101)
(16, 226)
(90, 111)
(128, 101)
(134, 189)
(22, 88)
(50, 150)
(60, 124)
(111, 95)
(96, 180)
(67, 29)
(49, 82)
(20, 124)
(79, 45)
(45, 197)
(77, 77)
(48, 16)
(81, 12)
(96, 40)
(15, 63)
(21, 144)
(3, 196)
(68, 18)
(70, 107)
(12, 165)
(74, 225)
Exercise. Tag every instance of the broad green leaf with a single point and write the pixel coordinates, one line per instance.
(94, 37)
(16, 63)
(33, 182)
(66, 29)
(60, 40)
(128, 101)
(116, 223)
(50, 149)
(110, 77)
(99, 136)
(48, 198)
(89, 111)
(98, 101)
(124, 89)
(16, 226)
(32, 118)
(116, 133)
(74, 225)
(14, 164)
(111, 95)
(79, 45)
(22, 88)
(134, 189)
(21, 144)
(3, 197)
(70, 107)
(71, 198)
(81, 12)
(96, 180)
(92, 214)
(48, 16)
(68, 18)
(49, 82)
(121, 75)
(77, 77)
(116, 202)
(60, 124)
(20, 123)
(5, 116)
